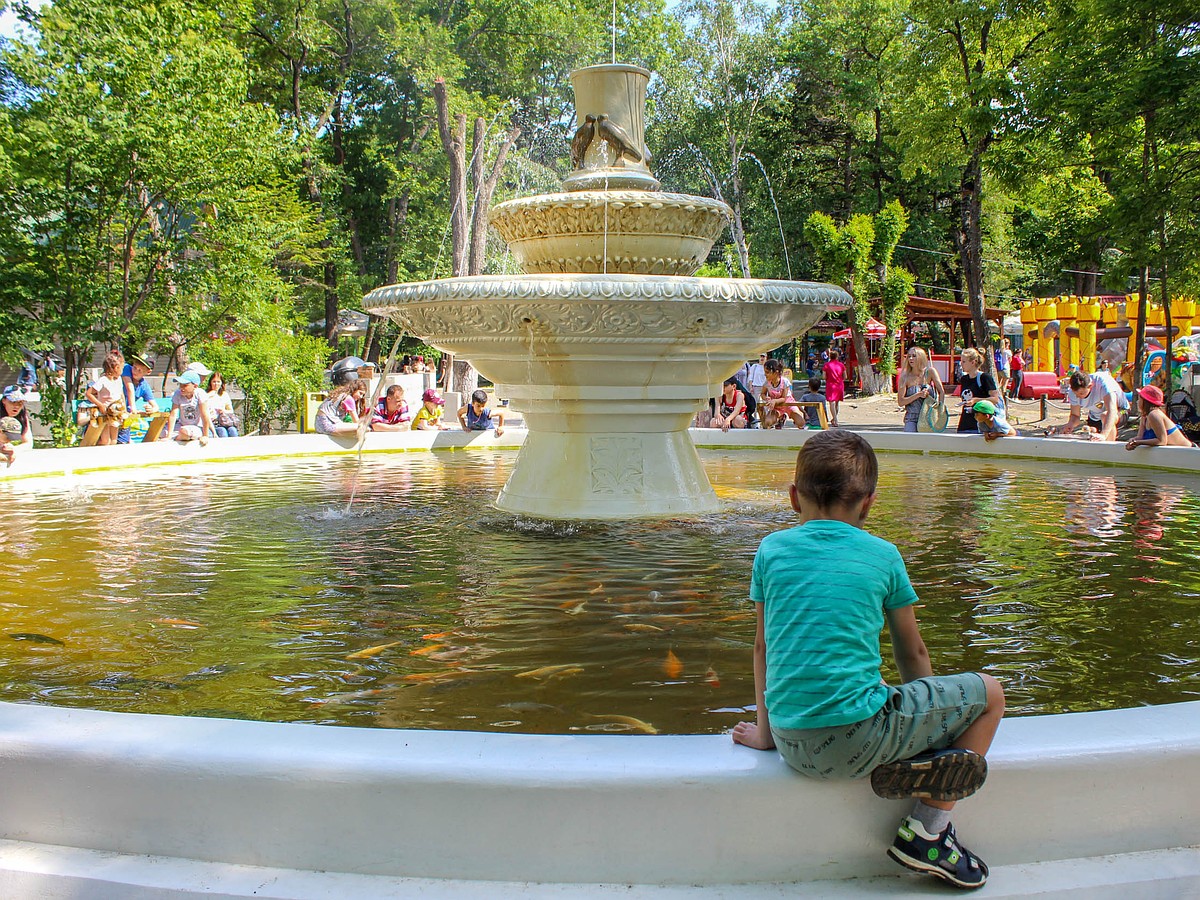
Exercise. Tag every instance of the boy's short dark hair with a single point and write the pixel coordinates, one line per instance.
(836, 467)
(479, 397)
(814, 385)
(731, 380)
(1079, 380)
(772, 365)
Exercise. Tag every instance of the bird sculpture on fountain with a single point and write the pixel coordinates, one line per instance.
(617, 138)
(582, 140)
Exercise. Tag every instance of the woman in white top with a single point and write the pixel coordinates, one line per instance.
(220, 407)
(107, 393)
(918, 380)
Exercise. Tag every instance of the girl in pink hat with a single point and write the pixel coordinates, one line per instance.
(1157, 428)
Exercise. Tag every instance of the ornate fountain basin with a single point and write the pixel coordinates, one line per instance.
(608, 371)
(611, 231)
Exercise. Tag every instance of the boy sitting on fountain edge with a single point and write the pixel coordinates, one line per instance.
(817, 661)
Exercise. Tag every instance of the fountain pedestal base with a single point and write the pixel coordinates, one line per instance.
(618, 475)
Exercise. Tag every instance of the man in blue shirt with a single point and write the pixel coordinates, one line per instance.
(138, 396)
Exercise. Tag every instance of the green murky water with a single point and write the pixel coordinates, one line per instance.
(253, 593)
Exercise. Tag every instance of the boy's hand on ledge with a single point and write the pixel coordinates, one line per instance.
(747, 734)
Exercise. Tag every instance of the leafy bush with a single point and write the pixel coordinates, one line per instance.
(273, 368)
(54, 413)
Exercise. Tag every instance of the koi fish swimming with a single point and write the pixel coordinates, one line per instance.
(672, 666)
(373, 651)
(36, 638)
(427, 650)
(561, 671)
(630, 723)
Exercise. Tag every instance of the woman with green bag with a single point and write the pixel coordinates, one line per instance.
(921, 395)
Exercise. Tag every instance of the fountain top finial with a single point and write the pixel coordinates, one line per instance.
(608, 149)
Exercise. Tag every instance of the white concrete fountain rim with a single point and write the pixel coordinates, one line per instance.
(130, 462)
(647, 288)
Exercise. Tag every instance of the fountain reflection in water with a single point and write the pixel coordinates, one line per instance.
(610, 344)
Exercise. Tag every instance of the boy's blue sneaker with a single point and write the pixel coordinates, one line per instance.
(940, 855)
(941, 775)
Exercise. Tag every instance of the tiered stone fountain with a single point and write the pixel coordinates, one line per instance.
(609, 344)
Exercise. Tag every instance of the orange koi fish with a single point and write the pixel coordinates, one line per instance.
(425, 651)
(373, 651)
(560, 671)
(672, 666)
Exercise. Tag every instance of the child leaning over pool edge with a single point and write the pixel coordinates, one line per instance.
(816, 664)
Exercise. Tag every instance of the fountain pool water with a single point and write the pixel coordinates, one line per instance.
(258, 597)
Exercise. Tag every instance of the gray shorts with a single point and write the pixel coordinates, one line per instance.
(926, 714)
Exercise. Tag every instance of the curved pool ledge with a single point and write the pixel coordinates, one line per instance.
(97, 804)
(115, 805)
(129, 461)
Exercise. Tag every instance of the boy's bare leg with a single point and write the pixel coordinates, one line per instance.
(979, 734)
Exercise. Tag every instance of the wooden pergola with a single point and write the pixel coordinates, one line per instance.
(955, 315)
(957, 318)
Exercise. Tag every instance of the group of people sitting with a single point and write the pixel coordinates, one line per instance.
(345, 410)
(770, 400)
(121, 396)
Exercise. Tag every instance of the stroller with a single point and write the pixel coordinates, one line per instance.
(1182, 410)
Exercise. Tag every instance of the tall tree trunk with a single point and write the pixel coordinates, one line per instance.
(970, 251)
(484, 184)
(862, 353)
(1139, 337)
(455, 144)
(72, 362)
(468, 226)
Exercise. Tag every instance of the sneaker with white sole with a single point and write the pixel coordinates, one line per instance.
(940, 855)
(942, 775)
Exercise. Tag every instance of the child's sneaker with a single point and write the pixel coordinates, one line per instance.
(942, 775)
(940, 855)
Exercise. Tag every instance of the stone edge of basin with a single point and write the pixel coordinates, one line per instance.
(604, 809)
(131, 461)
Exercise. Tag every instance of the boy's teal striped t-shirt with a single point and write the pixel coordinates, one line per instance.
(824, 586)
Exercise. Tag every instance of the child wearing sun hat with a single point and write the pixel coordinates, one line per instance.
(429, 416)
(1157, 429)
